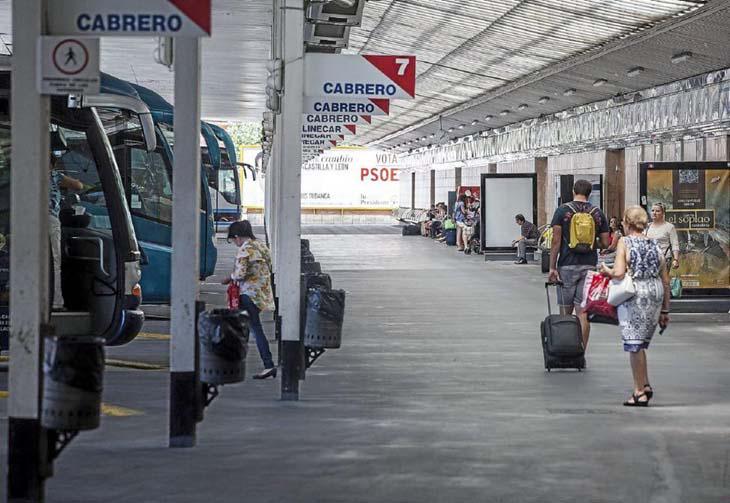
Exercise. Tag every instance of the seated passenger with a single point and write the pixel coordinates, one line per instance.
(615, 233)
(528, 237)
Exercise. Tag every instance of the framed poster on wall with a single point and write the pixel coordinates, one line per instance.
(503, 197)
(697, 198)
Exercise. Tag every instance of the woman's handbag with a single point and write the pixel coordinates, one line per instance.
(675, 287)
(234, 294)
(621, 290)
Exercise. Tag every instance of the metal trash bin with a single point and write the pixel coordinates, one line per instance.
(325, 313)
(223, 346)
(73, 371)
(316, 280)
(307, 256)
(308, 267)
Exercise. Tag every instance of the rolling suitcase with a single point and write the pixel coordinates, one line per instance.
(562, 342)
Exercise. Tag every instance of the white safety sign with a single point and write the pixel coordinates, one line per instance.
(125, 18)
(68, 65)
(359, 76)
(358, 106)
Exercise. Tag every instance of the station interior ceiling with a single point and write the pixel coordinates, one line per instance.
(481, 64)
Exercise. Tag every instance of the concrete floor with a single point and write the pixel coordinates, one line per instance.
(437, 395)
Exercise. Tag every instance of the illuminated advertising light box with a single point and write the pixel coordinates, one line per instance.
(502, 197)
(697, 198)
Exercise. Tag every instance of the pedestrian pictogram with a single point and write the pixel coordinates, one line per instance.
(70, 57)
(68, 65)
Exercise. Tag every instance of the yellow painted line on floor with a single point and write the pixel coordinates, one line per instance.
(118, 411)
(152, 336)
(4, 394)
(134, 365)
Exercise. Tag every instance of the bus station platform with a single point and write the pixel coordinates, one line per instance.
(437, 394)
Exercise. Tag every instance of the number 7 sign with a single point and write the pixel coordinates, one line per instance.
(359, 76)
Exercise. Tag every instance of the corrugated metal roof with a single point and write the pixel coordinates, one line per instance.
(467, 49)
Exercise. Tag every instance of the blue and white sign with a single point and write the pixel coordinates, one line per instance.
(130, 18)
(358, 106)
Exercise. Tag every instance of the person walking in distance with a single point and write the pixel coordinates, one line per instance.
(252, 272)
(644, 260)
(573, 252)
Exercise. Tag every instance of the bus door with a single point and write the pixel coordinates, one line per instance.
(99, 257)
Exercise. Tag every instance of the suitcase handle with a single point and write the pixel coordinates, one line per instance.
(547, 292)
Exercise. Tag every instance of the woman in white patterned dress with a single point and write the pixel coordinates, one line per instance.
(643, 259)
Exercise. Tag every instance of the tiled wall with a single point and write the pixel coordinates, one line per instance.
(472, 175)
(519, 166)
(405, 188)
(423, 189)
(445, 180)
(589, 163)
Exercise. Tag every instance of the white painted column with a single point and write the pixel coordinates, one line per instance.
(29, 256)
(288, 253)
(185, 242)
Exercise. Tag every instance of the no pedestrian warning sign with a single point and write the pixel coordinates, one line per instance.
(68, 65)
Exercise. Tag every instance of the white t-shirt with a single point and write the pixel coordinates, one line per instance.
(666, 237)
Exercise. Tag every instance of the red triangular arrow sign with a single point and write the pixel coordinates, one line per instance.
(334, 143)
(395, 68)
(382, 104)
(351, 127)
(197, 10)
(342, 137)
(367, 118)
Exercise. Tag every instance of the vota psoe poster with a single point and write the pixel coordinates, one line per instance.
(698, 204)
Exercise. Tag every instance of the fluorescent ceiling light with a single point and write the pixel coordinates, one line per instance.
(681, 57)
(599, 82)
(461, 126)
(451, 130)
(522, 107)
(474, 122)
(543, 100)
(488, 118)
(633, 72)
(503, 112)
(569, 92)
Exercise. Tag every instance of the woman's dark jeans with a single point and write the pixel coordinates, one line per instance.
(262, 344)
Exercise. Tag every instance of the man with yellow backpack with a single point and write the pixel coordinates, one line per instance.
(579, 230)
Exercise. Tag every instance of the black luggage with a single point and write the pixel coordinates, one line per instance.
(562, 342)
(411, 230)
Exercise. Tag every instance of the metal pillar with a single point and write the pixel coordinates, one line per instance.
(185, 239)
(289, 181)
(28, 260)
